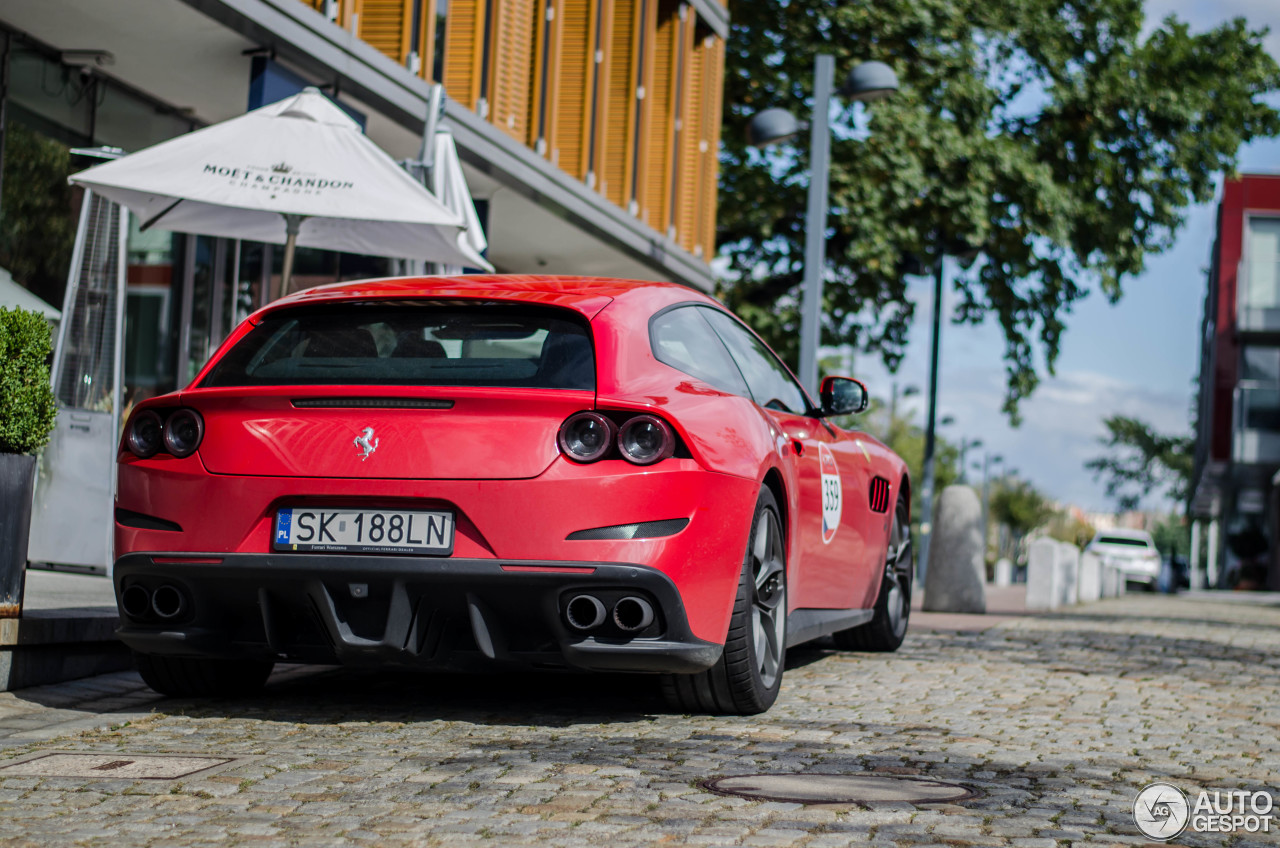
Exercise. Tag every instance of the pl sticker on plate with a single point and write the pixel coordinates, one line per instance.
(832, 494)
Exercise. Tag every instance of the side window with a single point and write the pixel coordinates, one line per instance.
(770, 382)
(681, 338)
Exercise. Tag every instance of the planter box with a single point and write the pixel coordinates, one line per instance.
(17, 477)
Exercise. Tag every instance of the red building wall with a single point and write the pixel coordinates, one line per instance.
(1240, 196)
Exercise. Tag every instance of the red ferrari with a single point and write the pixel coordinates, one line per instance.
(504, 471)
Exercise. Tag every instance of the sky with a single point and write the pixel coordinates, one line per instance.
(1136, 358)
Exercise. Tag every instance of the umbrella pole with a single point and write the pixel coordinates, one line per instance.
(292, 224)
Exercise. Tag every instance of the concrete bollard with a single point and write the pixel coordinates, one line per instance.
(1111, 583)
(1004, 572)
(1067, 564)
(1090, 588)
(954, 582)
(1042, 574)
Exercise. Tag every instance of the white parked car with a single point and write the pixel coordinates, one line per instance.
(1133, 552)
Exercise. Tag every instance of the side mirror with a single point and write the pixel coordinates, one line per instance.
(843, 396)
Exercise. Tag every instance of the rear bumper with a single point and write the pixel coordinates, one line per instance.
(403, 611)
(537, 520)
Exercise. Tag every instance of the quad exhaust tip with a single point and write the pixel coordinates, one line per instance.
(168, 602)
(585, 612)
(631, 614)
(136, 601)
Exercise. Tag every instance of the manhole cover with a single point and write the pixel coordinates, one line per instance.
(112, 766)
(839, 789)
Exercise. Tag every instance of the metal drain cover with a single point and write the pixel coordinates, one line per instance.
(112, 766)
(839, 789)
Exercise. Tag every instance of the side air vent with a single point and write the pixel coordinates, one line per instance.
(879, 496)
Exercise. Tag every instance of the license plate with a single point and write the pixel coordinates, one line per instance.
(375, 531)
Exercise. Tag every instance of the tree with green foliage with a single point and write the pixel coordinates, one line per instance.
(1049, 134)
(27, 407)
(1021, 507)
(1173, 536)
(37, 222)
(906, 439)
(1071, 529)
(1142, 460)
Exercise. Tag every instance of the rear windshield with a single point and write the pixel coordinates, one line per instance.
(1122, 540)
(411, 344)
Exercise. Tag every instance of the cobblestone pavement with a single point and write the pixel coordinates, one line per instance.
(1057, 720)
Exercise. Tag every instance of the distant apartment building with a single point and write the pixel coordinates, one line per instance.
(1235, 499)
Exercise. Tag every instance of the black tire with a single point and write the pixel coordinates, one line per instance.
(886, 630)
(193, 677)
(747, 677)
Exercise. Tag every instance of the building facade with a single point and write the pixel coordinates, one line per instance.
(1235, 503)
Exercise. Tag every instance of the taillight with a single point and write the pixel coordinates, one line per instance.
(146, 434)
(641, 439)
(646, 439)
(586, 436)
(182, 432)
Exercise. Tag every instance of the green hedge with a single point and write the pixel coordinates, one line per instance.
(27, 406)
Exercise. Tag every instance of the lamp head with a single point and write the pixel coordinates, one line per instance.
(771, 126)
(870, 81)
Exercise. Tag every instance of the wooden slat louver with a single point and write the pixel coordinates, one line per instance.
(511, 83)
(654, 179)
(388, 26)
(710, 174)
(464, 51)
(617, 136)
(692, 156)
(569, 111)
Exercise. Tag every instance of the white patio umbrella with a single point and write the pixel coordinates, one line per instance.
(297, 172)
(449, 184)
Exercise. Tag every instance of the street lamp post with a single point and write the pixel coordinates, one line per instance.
(988, 460)
(926, 487)
(868, 81)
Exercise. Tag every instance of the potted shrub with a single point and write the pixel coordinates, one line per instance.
(27, 411)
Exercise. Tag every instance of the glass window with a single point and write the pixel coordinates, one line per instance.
(682, 339)
(149, 324)
(129, 122)
(770, 382)
(1260, 363)
(1262, 255)
(44, 87)
(411, 343)
(1123, 540)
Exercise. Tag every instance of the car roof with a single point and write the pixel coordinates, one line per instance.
(587, 295)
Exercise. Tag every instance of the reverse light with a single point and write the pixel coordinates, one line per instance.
(585, 436)
(146, 434)
(646, 439)
(183, 432)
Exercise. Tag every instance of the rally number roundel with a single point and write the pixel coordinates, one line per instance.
(832, 494)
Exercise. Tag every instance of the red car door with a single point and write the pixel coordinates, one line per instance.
(824, 572)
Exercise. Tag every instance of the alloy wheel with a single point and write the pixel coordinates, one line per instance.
(769, 597)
